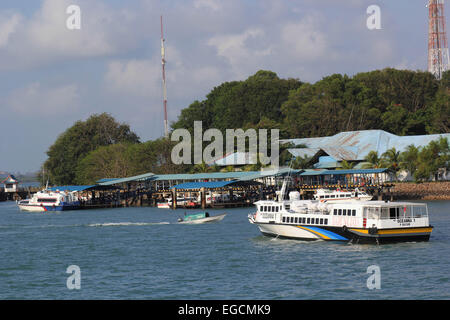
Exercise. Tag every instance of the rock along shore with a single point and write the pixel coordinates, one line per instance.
(421, 191)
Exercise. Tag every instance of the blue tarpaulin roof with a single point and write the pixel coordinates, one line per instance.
(214, 184)
(71, 188)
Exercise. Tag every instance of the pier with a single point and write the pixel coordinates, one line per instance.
(217, 189)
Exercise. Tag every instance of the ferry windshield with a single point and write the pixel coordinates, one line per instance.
(397, 212)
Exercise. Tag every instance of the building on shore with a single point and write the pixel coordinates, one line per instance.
(10, 183)
(328, 153)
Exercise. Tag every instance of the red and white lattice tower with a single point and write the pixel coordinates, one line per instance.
(438, 56)
(163, 62)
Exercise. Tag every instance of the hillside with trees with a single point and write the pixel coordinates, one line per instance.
(402, 102)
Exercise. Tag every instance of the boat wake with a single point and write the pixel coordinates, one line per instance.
(121, 224)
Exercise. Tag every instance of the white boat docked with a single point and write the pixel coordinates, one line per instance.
(203, 217)
(50, 201)
(341, 195)
(163, 205)
(349, 221)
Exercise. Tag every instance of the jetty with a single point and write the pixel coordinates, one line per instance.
(220, 189)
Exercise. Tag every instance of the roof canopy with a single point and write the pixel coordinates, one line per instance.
(215, 184)
(356, 145)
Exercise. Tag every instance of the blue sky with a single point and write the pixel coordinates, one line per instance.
(51, 77)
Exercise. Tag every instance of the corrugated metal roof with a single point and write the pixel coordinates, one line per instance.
(140, 177)
(355, 145)
(235, 175)
(304, 152)
(341, 172)
(237, 158)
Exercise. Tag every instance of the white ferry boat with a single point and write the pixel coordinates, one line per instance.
(350, 221)
(341, 195)
(50, 201)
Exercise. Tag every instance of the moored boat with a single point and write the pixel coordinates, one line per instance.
(341, 195)
(50, 201)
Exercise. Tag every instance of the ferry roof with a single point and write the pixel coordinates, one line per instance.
(378, 203)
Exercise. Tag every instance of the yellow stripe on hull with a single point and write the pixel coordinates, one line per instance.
(397, 231)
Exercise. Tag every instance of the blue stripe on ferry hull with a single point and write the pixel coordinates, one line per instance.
(331, 235)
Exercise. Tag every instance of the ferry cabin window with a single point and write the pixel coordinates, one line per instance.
(276, 209)
(335, 211)
(344, 212)
(325, 221)
(303, 220)
(317, 220)
(340, 212)
(326, 197)
(342, 195)
(46, 200)
(307, 220)
(321, 221)
(296, 220)
(265, 209)
(353, 212)
(392, 213)
(284, 219)
(332, 196)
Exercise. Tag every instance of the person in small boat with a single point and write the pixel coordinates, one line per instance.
(206, 214)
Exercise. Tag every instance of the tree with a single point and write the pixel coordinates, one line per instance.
(301, 162)
(408, 159)
(345, 165)
(373, 161)
(391, 159)
(80, 139)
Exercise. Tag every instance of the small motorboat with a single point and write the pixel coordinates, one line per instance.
(202, 217)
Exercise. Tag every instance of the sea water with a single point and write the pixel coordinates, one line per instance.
(143, 253)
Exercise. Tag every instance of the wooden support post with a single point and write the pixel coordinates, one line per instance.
(203, 197)
(174, 198)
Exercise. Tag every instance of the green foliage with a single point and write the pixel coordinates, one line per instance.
(80, 139)
(373, 161)
(127, 159)
(402, 102)
(255, 102)
(345, 165)
(424, 163)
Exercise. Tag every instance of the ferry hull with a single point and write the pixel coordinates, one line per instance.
(350, 235)
(38, 208)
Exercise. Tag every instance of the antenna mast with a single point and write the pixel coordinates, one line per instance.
(438, 55)
(163, 62)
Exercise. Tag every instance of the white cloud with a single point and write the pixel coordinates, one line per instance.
(214, 5)
(36, 99)
(134, 77)
(304, 39)
(8, 25)
(44, 38)
(242, 51)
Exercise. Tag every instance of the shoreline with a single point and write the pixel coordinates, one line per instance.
(439, 190)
